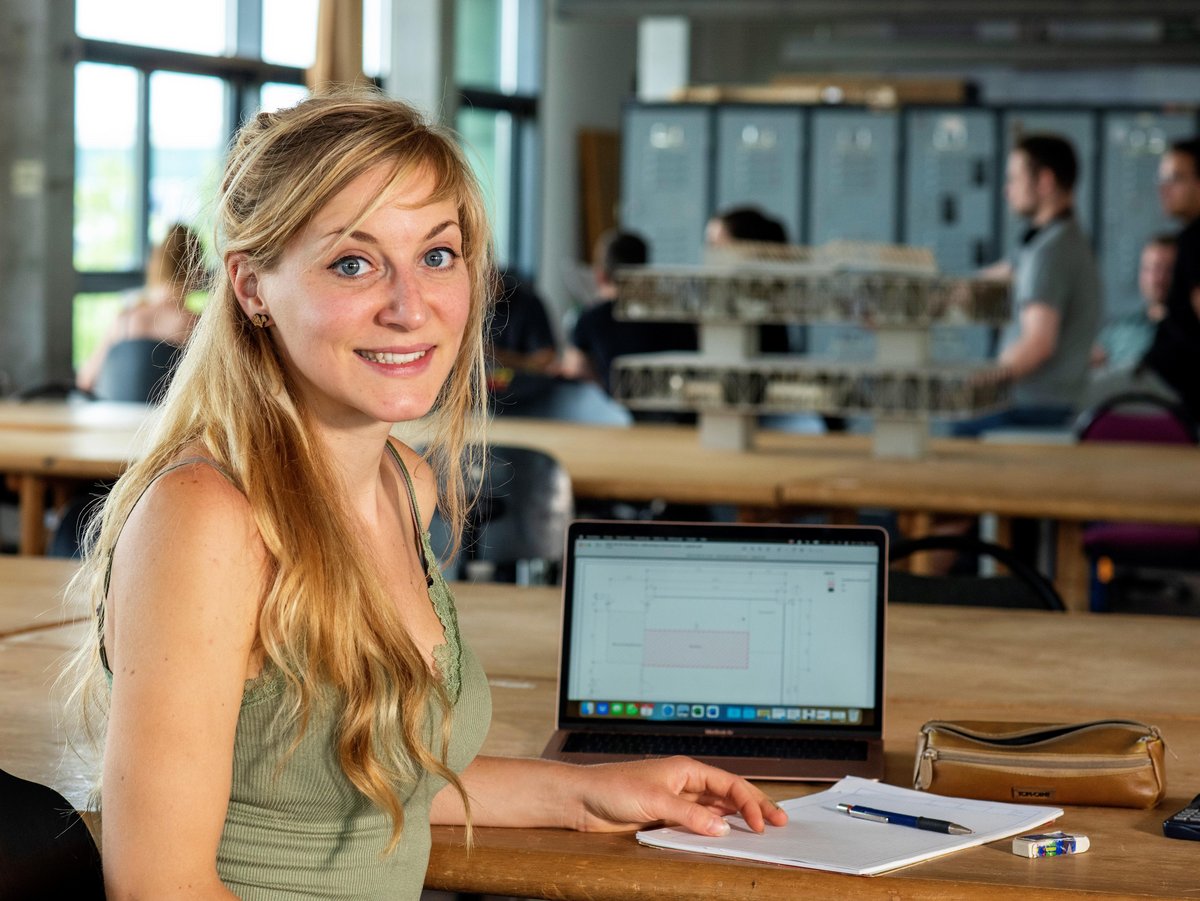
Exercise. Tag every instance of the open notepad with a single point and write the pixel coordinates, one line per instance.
(819, 836)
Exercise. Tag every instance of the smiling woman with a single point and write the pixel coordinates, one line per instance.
(276, 661)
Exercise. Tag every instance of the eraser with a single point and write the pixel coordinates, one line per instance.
(1050, 844)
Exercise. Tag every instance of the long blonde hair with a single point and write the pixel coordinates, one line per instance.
(235, 401)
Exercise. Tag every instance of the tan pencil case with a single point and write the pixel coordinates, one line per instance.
(1106, 763)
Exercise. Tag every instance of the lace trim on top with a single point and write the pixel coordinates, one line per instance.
(447, 656)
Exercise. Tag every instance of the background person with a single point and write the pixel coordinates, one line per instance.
(158, 311)
(1046, 348)
(1123, 341)
(521, 335)
(1174, 354)
(751, 224)
(598, 337)
(276, 660)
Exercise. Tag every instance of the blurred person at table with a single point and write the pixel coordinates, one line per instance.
(159, 310)
(521, 335)
(1170, 367)
(749, 224)
(1046, 348)
(598, 337)
(1123, 341)
(287, 702)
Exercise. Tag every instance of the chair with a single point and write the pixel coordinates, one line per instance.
(1116, 550)
(57, 390)
(516, 529)
(46, 850)
(1025, 588)
(137, 370)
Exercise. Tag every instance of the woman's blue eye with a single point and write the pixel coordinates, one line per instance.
(350, 266)
(441, 258)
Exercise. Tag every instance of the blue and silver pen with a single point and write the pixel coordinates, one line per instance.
(904, 819)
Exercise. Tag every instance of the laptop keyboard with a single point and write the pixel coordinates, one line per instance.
(716, 746)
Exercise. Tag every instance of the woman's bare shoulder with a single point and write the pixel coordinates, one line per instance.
(196, 510)
(189, 565)
(424, 480)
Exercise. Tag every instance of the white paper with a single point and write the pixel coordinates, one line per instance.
(821, 837)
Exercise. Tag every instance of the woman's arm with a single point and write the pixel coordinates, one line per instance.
(181, 622)
(608, 797)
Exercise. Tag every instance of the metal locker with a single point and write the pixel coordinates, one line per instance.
(854, 176)
(1130, 212)
(950, 182)
(666, 154)
(950, 206)
(1078, 127)
(760, 152)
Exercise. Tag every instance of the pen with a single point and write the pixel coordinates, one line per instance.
(904, 819)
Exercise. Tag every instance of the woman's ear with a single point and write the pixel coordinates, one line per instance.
(244, 278)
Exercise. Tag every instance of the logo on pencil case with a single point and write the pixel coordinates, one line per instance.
(1032, 794)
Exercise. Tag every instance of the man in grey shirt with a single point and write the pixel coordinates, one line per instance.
(1046, 348)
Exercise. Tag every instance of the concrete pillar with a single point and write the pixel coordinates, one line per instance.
(589, 73)
(38, 50)
(37, 55)
(422, 57)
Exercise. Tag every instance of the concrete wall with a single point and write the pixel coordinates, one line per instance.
(590, 69)
(37, 171)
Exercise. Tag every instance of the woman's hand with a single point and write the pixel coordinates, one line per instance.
(675, 790)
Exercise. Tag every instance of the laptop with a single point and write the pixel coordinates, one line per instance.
(756, 648)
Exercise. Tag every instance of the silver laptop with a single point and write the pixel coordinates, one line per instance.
(756, 648)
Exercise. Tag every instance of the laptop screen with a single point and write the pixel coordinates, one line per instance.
(763, 627)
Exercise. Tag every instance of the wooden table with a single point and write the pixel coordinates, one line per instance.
(1067, 484)
(68, 415)
(944, 663)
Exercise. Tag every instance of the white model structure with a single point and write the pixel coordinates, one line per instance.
(895, 291)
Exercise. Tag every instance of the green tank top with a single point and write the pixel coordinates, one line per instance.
(300, 829)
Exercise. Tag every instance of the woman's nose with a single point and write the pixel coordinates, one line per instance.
(406, 307)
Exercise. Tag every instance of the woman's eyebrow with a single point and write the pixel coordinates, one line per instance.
(438, 229)
(368, 238)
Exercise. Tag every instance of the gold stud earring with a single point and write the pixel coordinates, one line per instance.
(260, 320)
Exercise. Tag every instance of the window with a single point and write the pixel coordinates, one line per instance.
(498, 72)
(160, 91)
(106, 168)
(188, 134)
(192, 26)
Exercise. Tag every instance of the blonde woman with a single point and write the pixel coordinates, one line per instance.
(158, 311)
(288, 705)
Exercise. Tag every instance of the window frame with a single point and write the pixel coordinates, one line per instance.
(243, 76)
(522, 105)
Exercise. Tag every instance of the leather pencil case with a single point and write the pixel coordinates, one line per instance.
(1103, 763)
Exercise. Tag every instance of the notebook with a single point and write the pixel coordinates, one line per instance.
(756, 648)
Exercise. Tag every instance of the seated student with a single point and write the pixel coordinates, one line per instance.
(599, 337)
(1046, 347)
(750, 224)
(1169, 367)
(521, 335)
(1123, 341)
(158, 311)
(289, 704)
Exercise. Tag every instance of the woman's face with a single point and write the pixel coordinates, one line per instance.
(370, 324)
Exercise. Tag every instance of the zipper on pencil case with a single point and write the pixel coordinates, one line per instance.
(1092, 767)
(1024, 739)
